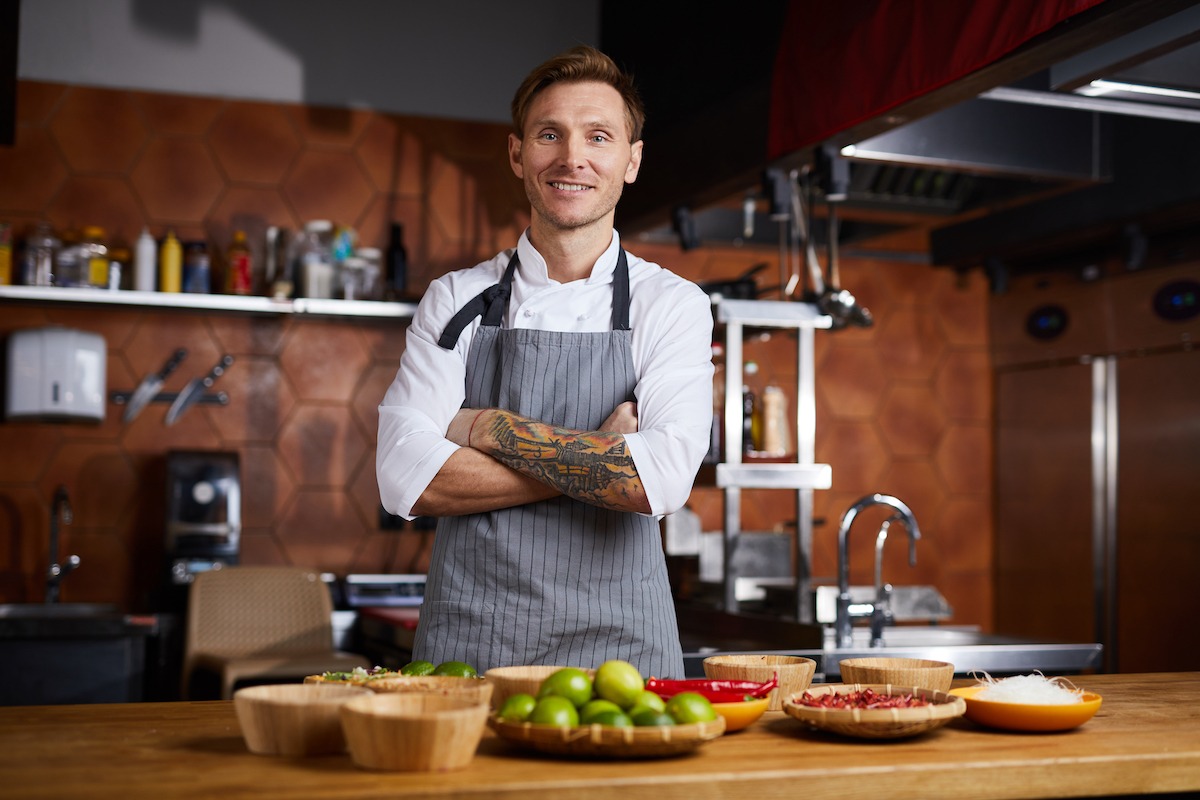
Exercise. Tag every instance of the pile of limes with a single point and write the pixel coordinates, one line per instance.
(456, 669)
(617, 696)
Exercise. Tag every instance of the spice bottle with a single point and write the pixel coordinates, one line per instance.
(776, 433)
(6, 251)
(170, 265)
(145, 262)
(94, 257)
(240, 265)
(751, 409)
(197, 272)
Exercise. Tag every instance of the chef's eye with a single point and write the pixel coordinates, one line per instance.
(548, 136)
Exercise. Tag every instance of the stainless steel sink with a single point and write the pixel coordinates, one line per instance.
(25, 611)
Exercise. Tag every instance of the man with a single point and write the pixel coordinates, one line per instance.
(550, 404)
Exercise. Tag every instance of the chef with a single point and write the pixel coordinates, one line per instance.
(551, 404)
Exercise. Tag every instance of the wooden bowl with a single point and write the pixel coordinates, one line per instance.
(883, 723)
(920, 672)
(605, 741)
(413, 732)
(795, 672)
(477, 690)
(293, 719)
(508, 681)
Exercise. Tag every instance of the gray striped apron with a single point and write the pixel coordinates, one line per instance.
(559, 581)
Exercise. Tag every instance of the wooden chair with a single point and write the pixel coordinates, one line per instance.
(258, 625)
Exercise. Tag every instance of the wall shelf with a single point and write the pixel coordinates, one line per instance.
(211, 302)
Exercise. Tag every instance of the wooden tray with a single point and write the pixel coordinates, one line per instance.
(606, 741)
(882, 723)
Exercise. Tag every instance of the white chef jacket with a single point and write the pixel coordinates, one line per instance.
(671, 322)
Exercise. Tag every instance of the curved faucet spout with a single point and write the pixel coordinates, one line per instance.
(902, 513)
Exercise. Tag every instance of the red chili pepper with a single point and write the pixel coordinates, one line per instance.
(865, 698)
(728, 691)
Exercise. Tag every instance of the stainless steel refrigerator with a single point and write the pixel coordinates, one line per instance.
(1097, 461)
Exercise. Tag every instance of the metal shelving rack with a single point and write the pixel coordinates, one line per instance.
(802, 476)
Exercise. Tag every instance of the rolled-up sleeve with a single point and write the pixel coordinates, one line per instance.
(673, 343)
(418, 406)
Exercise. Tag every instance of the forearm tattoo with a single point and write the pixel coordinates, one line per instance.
(594, 467)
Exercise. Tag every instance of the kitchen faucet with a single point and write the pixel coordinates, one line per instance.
(880, 610)
(59, 510)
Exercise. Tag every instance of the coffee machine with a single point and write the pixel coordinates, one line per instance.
(204, 513)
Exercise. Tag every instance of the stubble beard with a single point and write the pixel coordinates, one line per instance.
(563, 222)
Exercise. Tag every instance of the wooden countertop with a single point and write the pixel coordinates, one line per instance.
(1145, 738)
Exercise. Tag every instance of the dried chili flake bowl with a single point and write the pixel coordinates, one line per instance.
(878, 711)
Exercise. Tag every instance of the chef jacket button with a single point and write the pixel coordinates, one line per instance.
(528, 312)
(582, 317)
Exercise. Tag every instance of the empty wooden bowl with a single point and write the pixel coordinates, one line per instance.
(508, 681)
(413, 732)
(295, 719)
(795, 673)
(917, 672)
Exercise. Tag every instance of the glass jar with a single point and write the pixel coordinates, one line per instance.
(94, 253)
(197, 274)
(37, 262)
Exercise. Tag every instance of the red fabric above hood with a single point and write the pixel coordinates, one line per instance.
(841, 64)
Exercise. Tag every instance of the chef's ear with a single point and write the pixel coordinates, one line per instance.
(635, 161)
(514, 154)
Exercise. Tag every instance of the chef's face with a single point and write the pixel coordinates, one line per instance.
(575, 156)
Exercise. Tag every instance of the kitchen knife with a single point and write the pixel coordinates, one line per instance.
(150, 385)
(195, 389)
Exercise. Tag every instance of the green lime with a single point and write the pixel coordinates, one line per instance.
(650, 718)
(417, 668)
(689, 707)
(517, 708)
(555, 710)
(569, 682)
(613, 719)
(593, 707)
(620, 682)
(648, 700)
(455, 669)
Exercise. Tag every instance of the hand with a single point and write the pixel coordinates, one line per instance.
(623, 419)
(459, 430)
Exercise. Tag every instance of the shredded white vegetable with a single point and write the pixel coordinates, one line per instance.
(1032, 690)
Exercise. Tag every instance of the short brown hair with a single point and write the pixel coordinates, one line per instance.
(577, 65)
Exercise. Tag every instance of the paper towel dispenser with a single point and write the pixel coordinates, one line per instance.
(56, 374)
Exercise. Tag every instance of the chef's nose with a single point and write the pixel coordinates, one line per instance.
(573, 151)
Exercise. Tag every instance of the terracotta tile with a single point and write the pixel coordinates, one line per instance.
(369, 393)
(388, 553)
(251, 210)
(178, 114)
(327, 185)
(158, 335)
(393, 158)
(374, 226)
(462, 140)
(99, 479)
(36, 101)
(248, 335)
(911, 344)
(259, 401)
(177, 180)
(321, 529)
(385, 342)
(964, 458)
(363, 490)
(33, 171)
(323, 361)
(90, 200)
(254, 142)
(99, 130)
(103, 574)
(322, 447)
(267, 487)
(328, 126)
(262, 548)
(971, 596)
(24, 551)
(856, 454)
(966, 535)
(852, 382)
(964, 385)
(919, 486)
(960, 303)
(28, 449)
(911, 421)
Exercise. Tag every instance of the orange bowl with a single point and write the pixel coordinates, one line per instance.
(740, 715)
(1026, 716)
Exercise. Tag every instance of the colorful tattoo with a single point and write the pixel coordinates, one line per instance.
(594, 467)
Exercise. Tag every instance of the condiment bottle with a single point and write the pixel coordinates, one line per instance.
(751, 410)
(316, 259)
(94, 254)
(6, 270)
(397, 263)
(776, 433)
(196, 268)
(240, 277)
(170, 266)
(41, 252)
(145, 262)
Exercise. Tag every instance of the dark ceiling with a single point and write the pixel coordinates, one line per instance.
(1010, 166)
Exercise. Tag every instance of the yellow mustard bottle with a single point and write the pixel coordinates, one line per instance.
(170, 265)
